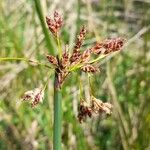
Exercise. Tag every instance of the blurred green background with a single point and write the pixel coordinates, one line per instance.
(124, 79)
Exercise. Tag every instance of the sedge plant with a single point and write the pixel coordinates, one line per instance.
(63, 64)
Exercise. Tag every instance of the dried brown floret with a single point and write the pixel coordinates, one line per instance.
(52, 59)
(65, 59)
(84, 111)
(95, 107)
(98, 106)
(35, 96)
(80, 39)
(89, 69)
(54, 24)
(108, 46)
(29, 95)
(76, 56)
(38, 97)
(97, 49)
(86, 55)
(114, 44)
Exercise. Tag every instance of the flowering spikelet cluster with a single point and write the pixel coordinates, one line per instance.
(84, 111)
(96, 106)
(61, 66)
(34, 96)
(108, 46)
(54, 24)
(76, 51)
(52, 60)
(67, 61)
(78, 59)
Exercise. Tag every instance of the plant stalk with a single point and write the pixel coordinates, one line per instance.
(59, 47)
(57, 116)
(48, 39)
(24, 59)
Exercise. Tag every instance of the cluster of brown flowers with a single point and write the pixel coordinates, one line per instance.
(108, 46)
(34, 96)
(54, 24)
(95, 106)
(78, 59)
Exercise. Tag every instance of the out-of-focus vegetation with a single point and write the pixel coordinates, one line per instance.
(124, 78)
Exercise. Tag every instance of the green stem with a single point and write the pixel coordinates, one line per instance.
(57, 116)
(97, 59)
(47, 82)
(91, 90)
(24, 59)
(79, 65)
(59, 47)
(13, 58)
(48, 39)
(80, 88)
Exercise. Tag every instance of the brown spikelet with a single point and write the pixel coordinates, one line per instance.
(36, 100)
(86, 55)
(65, 59)
(97, 49)
(84, 111)
(112, 45)
(75, 57)
(54, 24)
(89, 69)
(99, 107)
(80, 39)
(58, 20)
(38, 97)
(52, 59)
(96, 106)
(108, 46)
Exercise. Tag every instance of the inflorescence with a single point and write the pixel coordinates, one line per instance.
(68, 61)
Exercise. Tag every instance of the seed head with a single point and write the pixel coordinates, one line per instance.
(76, 56)
(54, 24)
(97, 49)
(38, 97)
(52, 59)
(65, 59)
(89, 69)
(29, 95)
(86, 55)
(96, 106)
(80, 39)
(35, 96)
(113, 45)
(99, 107)
(108, 46)
(84, 111)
